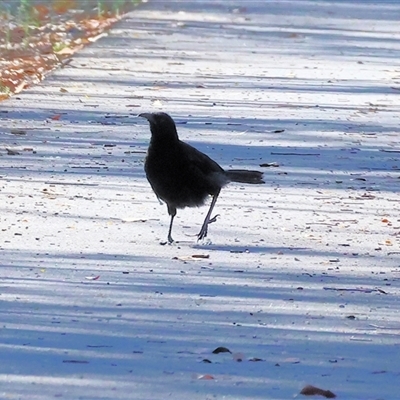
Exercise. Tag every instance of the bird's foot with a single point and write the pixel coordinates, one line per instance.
(203, 232)
(204, 229)
(168, 241)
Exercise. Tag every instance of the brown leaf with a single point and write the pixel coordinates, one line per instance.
(62, 6)
(201, 256)
(31, 52)
(310, 390)
(41, 11)
(221, 350)
(206, 377)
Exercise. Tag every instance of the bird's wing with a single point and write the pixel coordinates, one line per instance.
(199, 160)
(207, 174)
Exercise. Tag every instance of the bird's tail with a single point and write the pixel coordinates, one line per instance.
(245, 176)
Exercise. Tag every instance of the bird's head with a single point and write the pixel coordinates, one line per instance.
(162, 126)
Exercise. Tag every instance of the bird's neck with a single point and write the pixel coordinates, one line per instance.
(169, 138)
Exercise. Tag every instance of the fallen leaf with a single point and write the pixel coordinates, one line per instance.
(92, 278)
(221, 350)
(255, 359)
(310, 390)
(201, 256)
(270, 164)
(11, 152)
(18, 131)
(41, 11)
(206, 377)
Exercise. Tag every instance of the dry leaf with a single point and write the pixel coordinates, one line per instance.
(206, 377)
(18, 131)
(11, 152)
(41, 11)
(221, 350)
(310, 390)
(270, 164)
(66, 51)
(92, 278)
(62, 6)
(58, 34)
(201, 256)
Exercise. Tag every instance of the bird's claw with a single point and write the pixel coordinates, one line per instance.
(169, 241)
(213, 219)
(204, 229)
(201, 235)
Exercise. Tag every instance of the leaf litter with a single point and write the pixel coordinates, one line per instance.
(44, 38)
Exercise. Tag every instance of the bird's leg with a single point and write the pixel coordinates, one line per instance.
(172, 213)
(204, 229)
(170, 240)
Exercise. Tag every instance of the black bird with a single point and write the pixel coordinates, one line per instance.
(183, 176)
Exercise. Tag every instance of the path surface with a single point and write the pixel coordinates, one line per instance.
(302, 273)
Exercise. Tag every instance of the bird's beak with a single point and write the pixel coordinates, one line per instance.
(148, 116)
